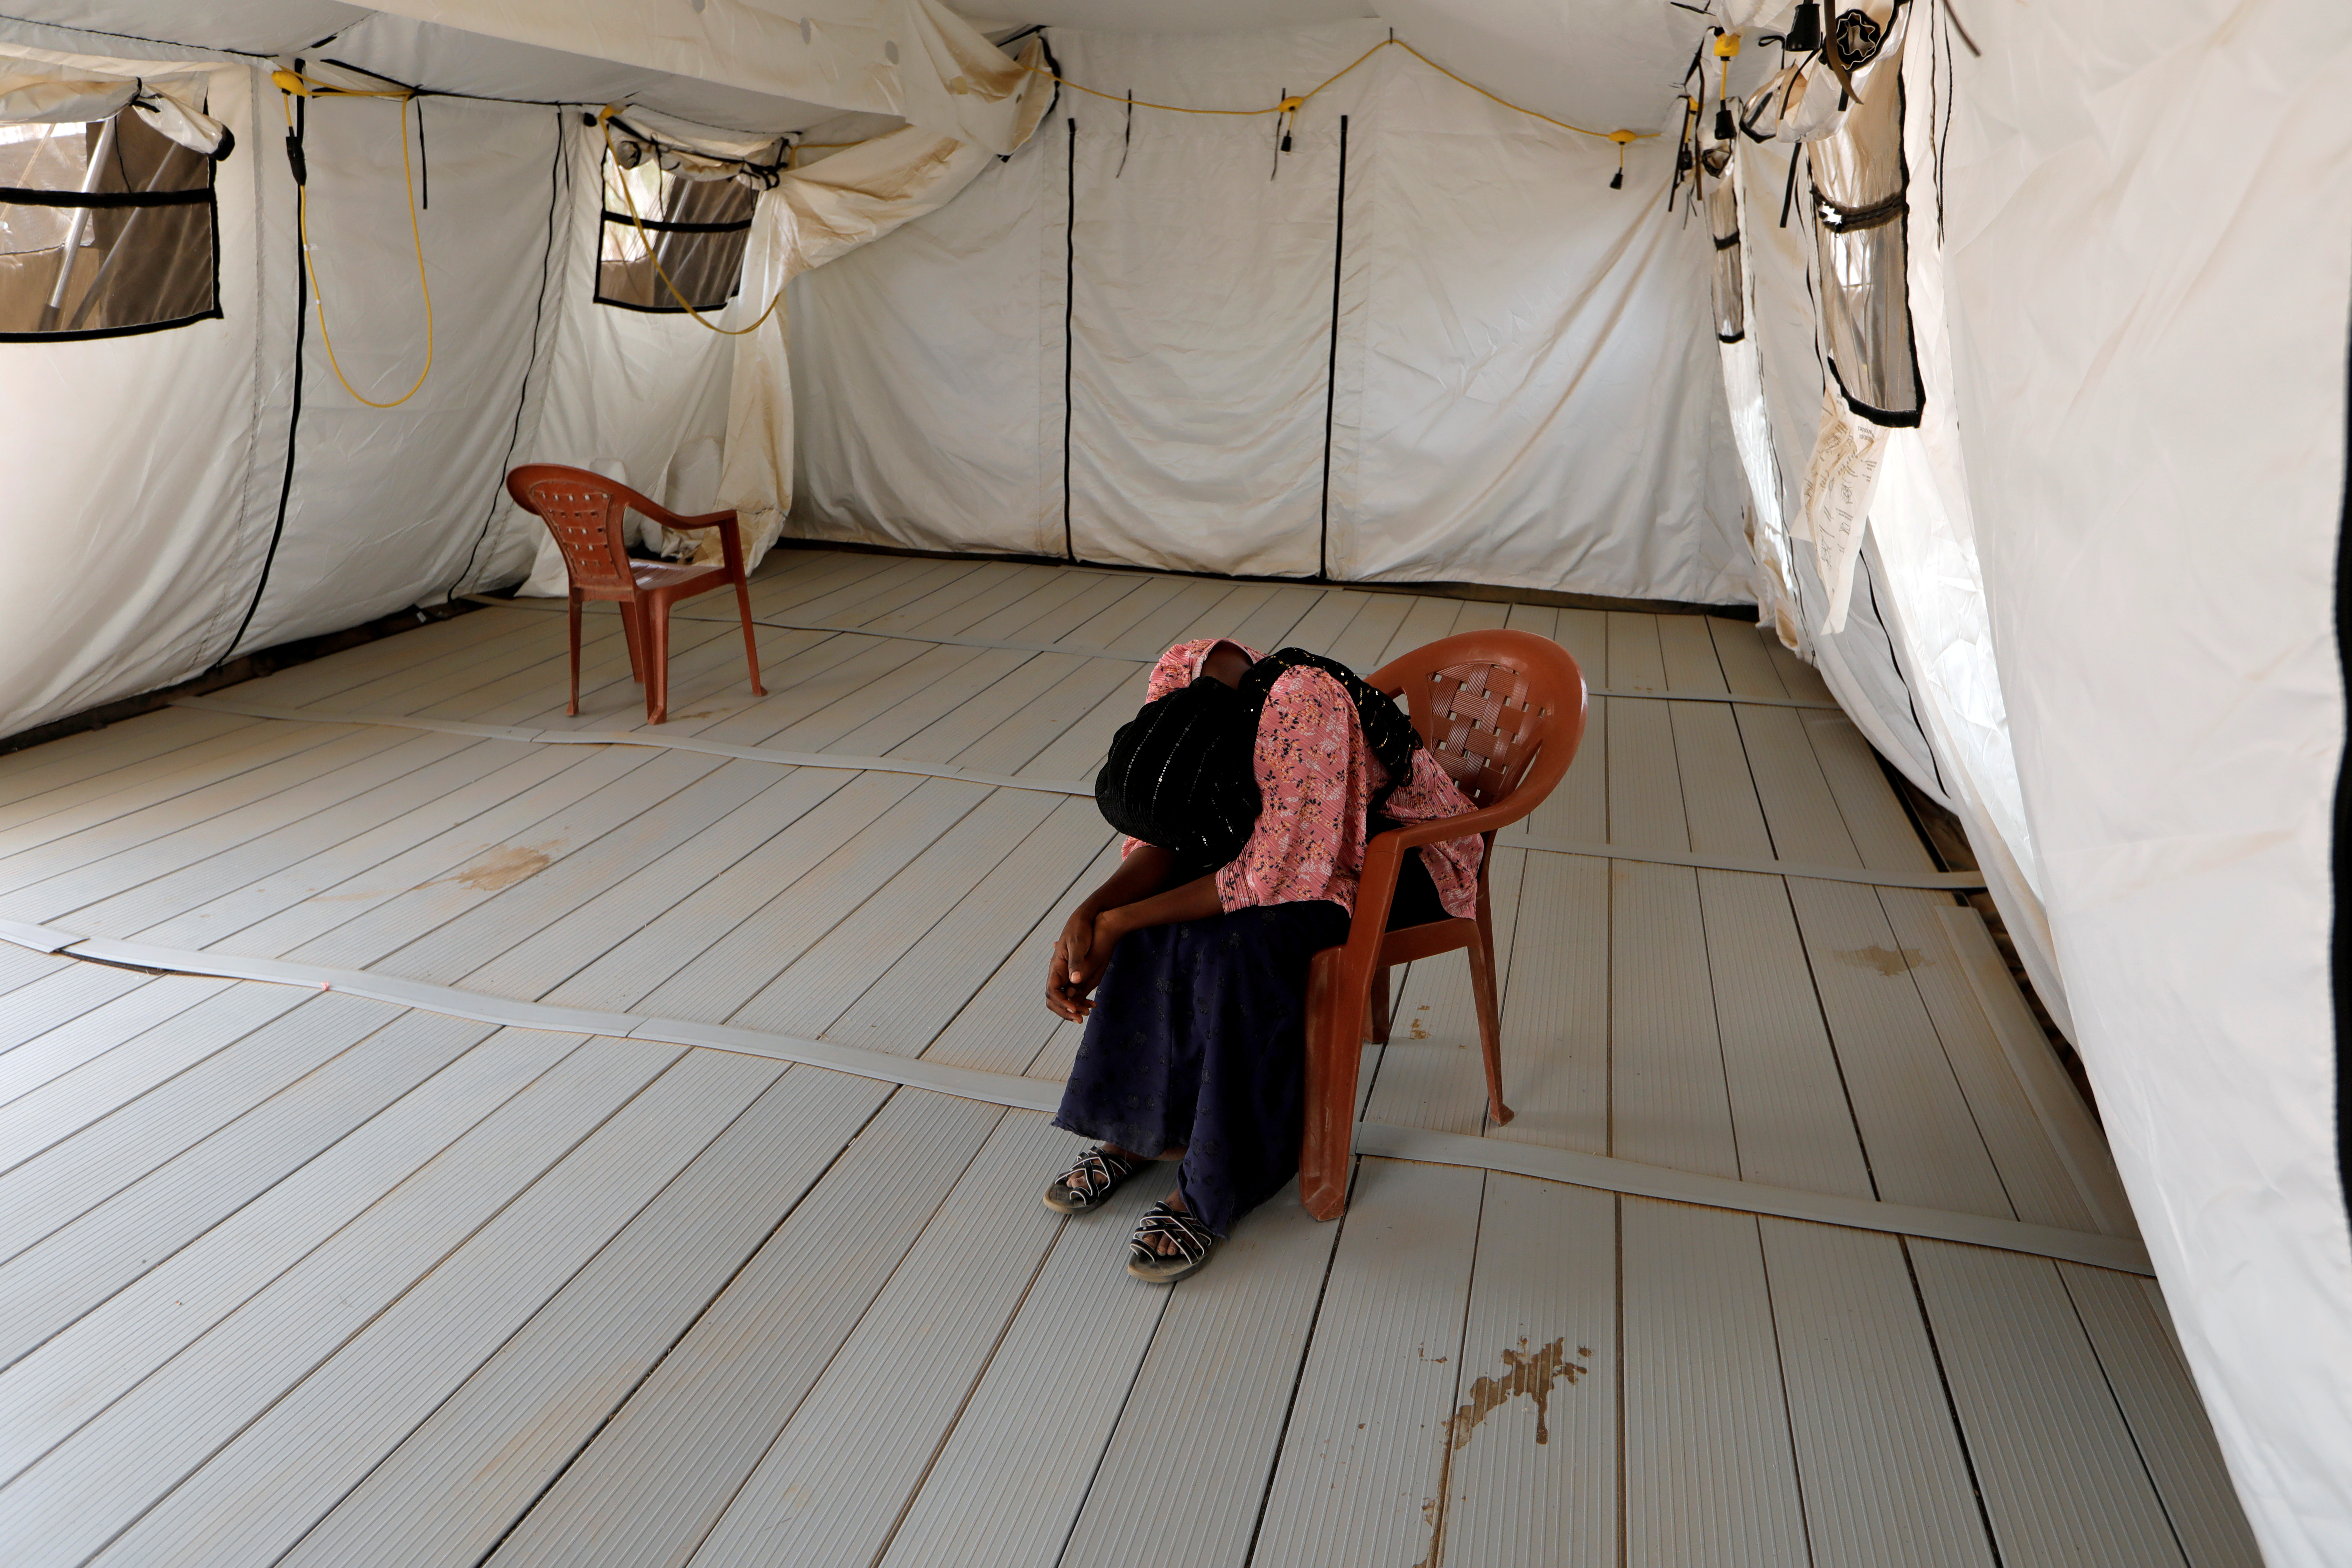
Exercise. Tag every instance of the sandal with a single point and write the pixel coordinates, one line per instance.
(1089, 1183)
(1193, 1242)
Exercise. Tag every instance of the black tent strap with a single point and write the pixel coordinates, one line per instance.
(663, 226)
(18, 196)
(1841, 220)
(1725, 242)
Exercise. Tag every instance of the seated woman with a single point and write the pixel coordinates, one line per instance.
(1248, 787)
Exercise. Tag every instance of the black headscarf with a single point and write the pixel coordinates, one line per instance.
(1182, 773)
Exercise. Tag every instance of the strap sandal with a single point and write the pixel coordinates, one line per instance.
(1089, 1183)
(1192, 1239)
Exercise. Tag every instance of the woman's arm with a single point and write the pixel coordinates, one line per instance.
(1078, 955)
(1083, 951)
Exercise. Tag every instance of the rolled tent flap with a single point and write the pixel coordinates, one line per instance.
(32, 93)
(913, 58)
(811, 217)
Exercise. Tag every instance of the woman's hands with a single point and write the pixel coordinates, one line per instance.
(1081, 953)
(1129, 901)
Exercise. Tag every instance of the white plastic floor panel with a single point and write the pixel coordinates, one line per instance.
(297, 1276)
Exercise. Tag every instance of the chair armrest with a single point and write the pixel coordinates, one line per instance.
(1438, 829)
(699, 520)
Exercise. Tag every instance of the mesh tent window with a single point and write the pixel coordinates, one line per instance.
(1723, 223)
(698, 230)
(107, 228)
(1861, 207)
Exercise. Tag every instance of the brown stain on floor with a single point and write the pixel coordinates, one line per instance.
(1531, 1375)
(1888, 962)
(501, 868)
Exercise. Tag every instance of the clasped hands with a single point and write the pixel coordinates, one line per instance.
(1081, 953)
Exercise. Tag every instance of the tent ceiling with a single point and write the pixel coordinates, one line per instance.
(1601, 63)
(1158, 16)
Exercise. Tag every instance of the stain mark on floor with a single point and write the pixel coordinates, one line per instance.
(1531, 1374)
(1888, 962)
(501, 868)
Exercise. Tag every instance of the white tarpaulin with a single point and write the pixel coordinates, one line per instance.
(142, 473)
(1523, 387)
(2102, 564)
(2149, 212)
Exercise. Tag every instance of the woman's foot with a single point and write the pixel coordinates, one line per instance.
(1089, 1183)
(1170, 1244)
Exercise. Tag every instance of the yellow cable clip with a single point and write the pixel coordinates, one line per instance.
(289, 82)
(1289, 105)
(1725, 46)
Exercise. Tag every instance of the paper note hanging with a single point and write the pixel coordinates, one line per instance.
(1839, 484)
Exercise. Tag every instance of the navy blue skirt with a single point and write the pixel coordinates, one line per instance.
(1197, 1042)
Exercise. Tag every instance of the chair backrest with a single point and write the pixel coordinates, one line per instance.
(584, 510)
(1503, 712)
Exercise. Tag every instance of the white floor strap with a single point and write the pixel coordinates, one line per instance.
(1376, 1138)
(1941, 881)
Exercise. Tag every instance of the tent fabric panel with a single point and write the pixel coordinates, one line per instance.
(1201, 327)
(138, 531)
(961, 451)
(387, 505)
(1543, 402)
(2155, 406)
(1859, 660)
(1526, 472)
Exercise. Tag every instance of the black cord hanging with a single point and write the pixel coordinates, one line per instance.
(1127, 138)
(424, 162)
(1804, 35)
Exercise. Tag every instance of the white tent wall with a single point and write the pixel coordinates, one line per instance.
(1858, 661)
(2149, 212)
(1527, 386)
(145, 478)
(387, 505)
(968, 455)
(191, 540)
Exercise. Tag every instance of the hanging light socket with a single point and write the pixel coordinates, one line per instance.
(1724, 129)
(1617, 180)
(1805, 29)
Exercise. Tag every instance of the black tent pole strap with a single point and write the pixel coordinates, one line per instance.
(2340, 880)
(1069, 304)
(559, 182)
(1331, 374)
(295, 158)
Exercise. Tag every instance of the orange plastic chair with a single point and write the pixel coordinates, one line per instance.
(1503, 712)
(584, 511)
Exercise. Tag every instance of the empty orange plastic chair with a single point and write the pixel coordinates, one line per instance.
(584, 512)
(1503, 713)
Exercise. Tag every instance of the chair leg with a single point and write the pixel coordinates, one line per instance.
(633, 633)
(573, 706)
(1490, 1024)
(750, 647)
(656, 661)
(1378, 1032)
(1334, 1046)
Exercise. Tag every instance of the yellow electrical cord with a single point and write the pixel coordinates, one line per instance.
(604, 123)
(291, 86)
(1289, 106)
